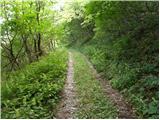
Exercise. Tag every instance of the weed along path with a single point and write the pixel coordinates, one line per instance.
(94, 97)
(124, 109)
(68, 104)
(92, 102)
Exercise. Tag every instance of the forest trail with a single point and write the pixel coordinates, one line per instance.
(124, 109)
(67, 105)
(85, 59)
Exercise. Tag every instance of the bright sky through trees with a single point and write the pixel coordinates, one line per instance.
(59, 5)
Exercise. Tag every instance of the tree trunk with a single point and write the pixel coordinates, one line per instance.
(27, 50)
(38, 8)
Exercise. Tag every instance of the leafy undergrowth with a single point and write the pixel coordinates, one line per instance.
(92, 101)
(123, 50)
(138, 81)
(33, 92)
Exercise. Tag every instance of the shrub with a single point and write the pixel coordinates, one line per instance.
(33, 92)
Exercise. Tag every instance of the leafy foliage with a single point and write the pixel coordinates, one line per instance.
(120, 39)
(33, 92)
(27, 32)
(123, 47)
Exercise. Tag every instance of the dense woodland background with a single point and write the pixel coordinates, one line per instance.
(120, 38)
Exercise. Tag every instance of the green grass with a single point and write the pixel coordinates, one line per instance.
(92, 101)
(33, 92)
(137, 81)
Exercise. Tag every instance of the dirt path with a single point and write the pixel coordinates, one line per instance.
(67, 106)
(124, 108)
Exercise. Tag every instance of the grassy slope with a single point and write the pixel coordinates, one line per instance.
(92, 102)
(33, 91)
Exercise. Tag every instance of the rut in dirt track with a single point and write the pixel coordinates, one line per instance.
(125, 110)
(68, 104)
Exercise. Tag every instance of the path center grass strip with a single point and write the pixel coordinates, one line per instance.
(93, 104)
(33, 92)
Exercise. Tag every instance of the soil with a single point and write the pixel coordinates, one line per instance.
(67, 106)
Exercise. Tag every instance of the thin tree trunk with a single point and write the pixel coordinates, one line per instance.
(38, 34)
(27, 50)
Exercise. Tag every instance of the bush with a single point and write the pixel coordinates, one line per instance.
(138, 81)
(33, 92)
